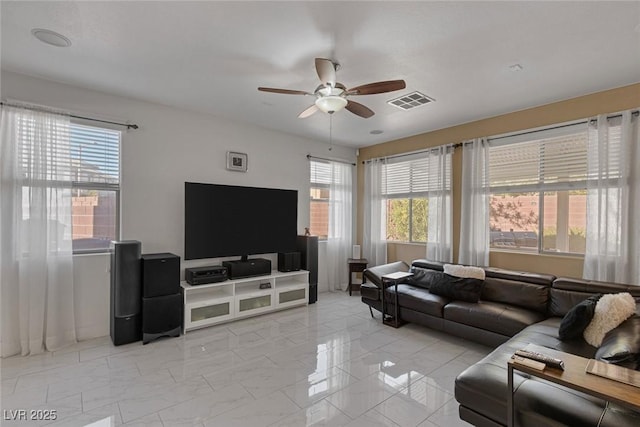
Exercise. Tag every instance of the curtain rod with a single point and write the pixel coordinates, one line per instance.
(410, 153)
(309, 156)
(33, 108)
(579, 122)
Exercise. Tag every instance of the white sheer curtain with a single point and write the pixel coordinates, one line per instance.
(613, 200)
(339, 240)
(36, 264)
(474, 215)
(374, 244)
(439, 241)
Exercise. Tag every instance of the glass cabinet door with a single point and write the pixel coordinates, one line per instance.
(210, 311)
(288, 296)
(254, 303)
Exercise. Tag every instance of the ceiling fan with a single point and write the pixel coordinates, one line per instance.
(331, 96)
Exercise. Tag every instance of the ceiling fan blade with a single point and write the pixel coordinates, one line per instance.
(359, 109)
(326, 71)
(309, 111)
(378, 87)
(284, 91)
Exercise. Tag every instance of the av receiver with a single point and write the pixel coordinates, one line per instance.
(249, 268)
(203, 275)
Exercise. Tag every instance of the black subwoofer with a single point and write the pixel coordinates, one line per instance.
(161, 317)
(162, 296)
(125, 302)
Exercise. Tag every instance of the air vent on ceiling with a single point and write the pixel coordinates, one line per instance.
(412, 100)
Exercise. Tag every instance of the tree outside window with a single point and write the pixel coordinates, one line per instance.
(407, 220)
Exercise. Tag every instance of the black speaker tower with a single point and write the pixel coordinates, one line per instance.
(308, 248)
(125, 307)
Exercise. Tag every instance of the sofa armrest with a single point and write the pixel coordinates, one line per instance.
(374, 274)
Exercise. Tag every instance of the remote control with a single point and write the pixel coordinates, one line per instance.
(524, 361)
(547, 360)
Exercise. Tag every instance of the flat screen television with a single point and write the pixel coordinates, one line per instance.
(228, 220)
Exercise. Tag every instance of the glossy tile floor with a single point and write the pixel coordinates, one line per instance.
(327, 364)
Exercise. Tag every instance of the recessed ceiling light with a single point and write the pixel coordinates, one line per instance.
(376, 132)
(51, 37)
(516, 67)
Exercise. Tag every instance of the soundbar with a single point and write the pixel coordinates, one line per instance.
(249, 268)
(203, 275)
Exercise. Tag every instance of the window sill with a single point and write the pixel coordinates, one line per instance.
(398, 242)
(91, 253)
(536, 253)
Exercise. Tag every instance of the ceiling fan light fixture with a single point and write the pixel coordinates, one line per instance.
(331, 103)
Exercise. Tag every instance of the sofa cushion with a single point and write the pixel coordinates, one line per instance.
(533, 296)
(519, 276)
(457, 288)
(622, 344)
(567, 292)
(578, 318)
(418, 299)
(491, 316)
(545, 333)
(423, 277)
(611, 310)
(541, 403)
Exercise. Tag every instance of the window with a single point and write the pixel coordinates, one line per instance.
(538, 190)
(319, 192)
(95, 164)
(85, 160)
(406, 185)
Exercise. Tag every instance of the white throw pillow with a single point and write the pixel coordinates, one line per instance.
(464, 271)
(611, 311)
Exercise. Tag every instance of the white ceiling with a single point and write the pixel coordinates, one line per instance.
(212, 56)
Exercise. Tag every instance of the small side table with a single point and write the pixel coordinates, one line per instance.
(388, 280)
(356, 266)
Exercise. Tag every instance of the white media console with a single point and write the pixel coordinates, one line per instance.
(210, 304)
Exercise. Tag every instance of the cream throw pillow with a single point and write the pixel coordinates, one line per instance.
(464, 271)
(611, 311)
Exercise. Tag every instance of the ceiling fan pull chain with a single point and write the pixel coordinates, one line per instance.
(331, 131)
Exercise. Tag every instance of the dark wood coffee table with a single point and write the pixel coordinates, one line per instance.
(574, 377)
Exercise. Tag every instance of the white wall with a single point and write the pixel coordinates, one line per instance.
(170, 147)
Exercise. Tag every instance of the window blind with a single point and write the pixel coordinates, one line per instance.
(323, 174)
(75, 154)
(320, 172)
(413, 177)
(552, 159)
(95, 154)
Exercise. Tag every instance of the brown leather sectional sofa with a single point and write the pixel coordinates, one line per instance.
(515, 309)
